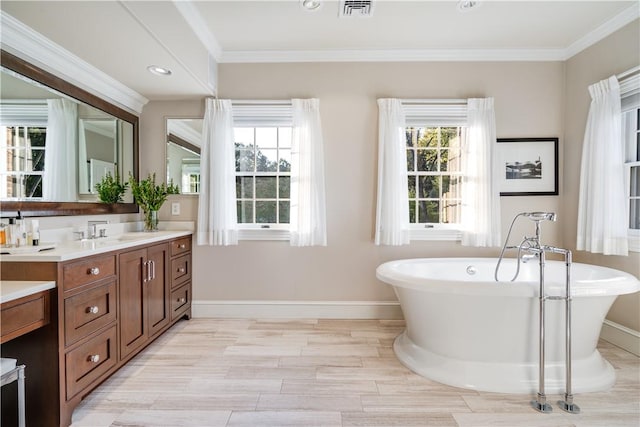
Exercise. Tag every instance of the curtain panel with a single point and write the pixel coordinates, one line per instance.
(480, 195)
(217, 217)
(602, 206)
(308, 211)
(392, 204)
(59, 178)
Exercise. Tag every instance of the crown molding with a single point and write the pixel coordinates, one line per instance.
(29, 45)
(199, 27)
(614, 24)
(399, 55)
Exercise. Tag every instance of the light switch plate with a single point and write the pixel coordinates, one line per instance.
(175, 208)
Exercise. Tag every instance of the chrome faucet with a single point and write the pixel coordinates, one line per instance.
(93, 229)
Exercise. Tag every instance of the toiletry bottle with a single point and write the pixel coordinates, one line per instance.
(35, 232)
(3, 234)
(11, 232)
(21, 232)
(28, 234)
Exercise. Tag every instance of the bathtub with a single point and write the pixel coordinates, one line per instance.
(466, 330)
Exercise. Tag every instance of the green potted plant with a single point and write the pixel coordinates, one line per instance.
(150, 197)
(110, 189)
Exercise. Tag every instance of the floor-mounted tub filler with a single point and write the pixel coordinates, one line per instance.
(465, 329)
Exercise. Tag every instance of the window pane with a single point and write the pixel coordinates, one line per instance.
(412, 186)
(284, 164)
(453, 160)
(266, 188)
(267, 137)
(450, 211)
(634, 214)
(265, 212)
(244, 187)
(428, 211)
(245, 212)
(267, 160)
(429, 138)
(444, 160)
(410, 160)
(33, 185)
(412, 211)
(451, 187)
(37, 136)
(283, 213)
(243, 137)
(284, 187)
(448, 137)
(284, 137)
(427, 160)
(244, 160)
(634, 191)
(428, 187)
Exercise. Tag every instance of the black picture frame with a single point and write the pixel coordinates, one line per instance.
(527, 166)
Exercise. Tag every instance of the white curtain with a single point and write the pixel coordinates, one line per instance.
(602, 208)
(481, 198)
(217, 220)
(392, 207)
(59, 180)
(308, 212)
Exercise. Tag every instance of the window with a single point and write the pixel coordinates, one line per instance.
(630, 94)
(23, 160)
(434, 136)
(263, 175)
(434, 175)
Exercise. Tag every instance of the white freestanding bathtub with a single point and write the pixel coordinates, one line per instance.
(466, 330)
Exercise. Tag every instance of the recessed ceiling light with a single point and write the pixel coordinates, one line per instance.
(311, 4)
(465, 6)
(160, 71)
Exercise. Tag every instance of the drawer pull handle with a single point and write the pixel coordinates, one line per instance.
(93, 309)
(94, 271)
(181, 270)
(182, 246)
(95, 358)
(182, 300)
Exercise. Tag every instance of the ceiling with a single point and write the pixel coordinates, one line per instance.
(122, 38)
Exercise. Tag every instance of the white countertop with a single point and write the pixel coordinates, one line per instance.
(14, 289)
(68, 250)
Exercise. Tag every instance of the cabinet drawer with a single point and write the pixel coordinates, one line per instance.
(88, 362)
(180, 300)
(88, 271)
(24, 315)
(180, 270)
(180, 246)
(89, 311)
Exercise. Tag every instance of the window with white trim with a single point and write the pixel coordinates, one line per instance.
(434, 135)
(262, 135)
(630, 93)
(23, 131)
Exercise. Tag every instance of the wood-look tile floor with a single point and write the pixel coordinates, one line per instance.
(212, 372)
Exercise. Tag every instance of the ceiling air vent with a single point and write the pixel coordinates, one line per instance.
(356, 8)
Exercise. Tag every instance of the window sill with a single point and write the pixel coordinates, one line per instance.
(446, 234)
(263, 234)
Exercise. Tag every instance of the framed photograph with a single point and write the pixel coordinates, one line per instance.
(528, 166)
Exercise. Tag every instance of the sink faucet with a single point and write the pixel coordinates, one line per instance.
(93, 229)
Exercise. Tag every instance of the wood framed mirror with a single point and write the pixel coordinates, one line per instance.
(85, 202)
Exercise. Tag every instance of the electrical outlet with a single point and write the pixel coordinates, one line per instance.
(175, 208)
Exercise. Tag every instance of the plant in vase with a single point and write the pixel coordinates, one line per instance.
(150, 197)
(110, 189)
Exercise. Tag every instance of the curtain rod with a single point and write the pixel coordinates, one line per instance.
(433, 101)
(627, 73)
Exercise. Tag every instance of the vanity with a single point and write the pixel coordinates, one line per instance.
(112, 298)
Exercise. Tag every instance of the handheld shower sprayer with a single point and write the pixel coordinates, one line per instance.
(540, 216)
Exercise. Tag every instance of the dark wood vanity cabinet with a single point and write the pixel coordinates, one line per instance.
(108, 308)
(144, 296)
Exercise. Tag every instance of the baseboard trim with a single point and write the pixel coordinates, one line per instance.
(621, 336)
(297, 309)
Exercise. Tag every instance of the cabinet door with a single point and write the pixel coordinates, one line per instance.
(132, 296)
(158, 288)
